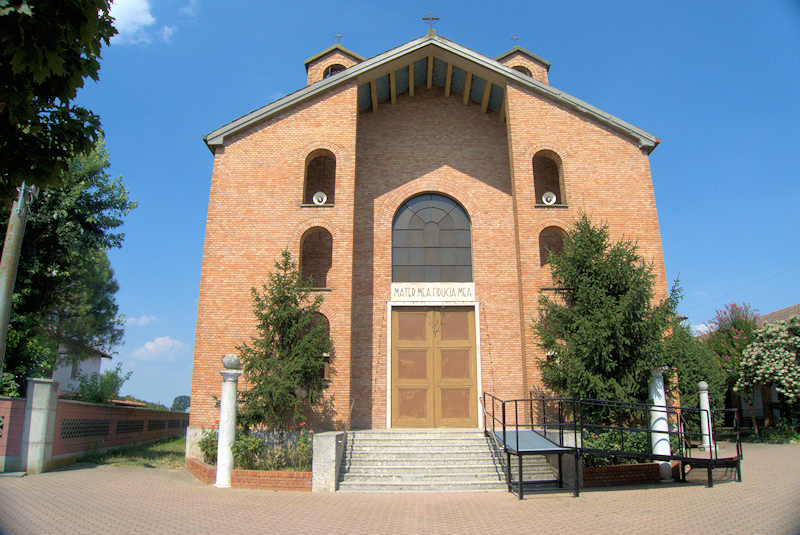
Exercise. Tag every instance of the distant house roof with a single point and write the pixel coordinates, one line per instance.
(779, 315)
(128, 403)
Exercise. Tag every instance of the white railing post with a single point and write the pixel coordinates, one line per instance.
(227, 420)
(705, 418)
(659, 423)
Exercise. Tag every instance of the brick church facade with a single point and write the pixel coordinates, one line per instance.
(421, 189)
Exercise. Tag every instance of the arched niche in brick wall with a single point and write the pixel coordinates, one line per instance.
(316, 256)
(524, 70)
(320, 176)
(333, 69)
(551, 240)
(548, 176)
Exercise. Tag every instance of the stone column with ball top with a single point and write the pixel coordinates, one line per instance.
(227, 419)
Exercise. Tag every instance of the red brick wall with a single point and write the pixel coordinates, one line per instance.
(12, 411)
(254, 213)
(317, 67)
(538, 70)
(625, 474)
(252, 479)
(604, 174)
(425, 143)
(71, 411)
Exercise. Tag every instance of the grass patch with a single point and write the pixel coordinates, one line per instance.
(769, 436)
(166, 453)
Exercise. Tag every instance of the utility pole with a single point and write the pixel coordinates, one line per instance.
(10, 259)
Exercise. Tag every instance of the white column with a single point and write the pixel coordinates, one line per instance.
(659, 422)
(38, 427)
(227, 420)
(705, 417)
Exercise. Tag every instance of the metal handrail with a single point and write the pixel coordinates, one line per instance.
(485, 417)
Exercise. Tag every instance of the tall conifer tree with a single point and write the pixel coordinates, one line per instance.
(283, 363)
(603, 332)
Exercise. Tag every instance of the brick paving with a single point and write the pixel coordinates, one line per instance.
(131, 500)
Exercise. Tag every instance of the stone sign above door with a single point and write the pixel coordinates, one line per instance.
(429, 292)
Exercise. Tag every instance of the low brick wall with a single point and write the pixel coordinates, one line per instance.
(82, 427)
(202, 471)
(624, 474)
(252, 479)
(12, 415)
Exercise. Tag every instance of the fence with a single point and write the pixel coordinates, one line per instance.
(41, 432)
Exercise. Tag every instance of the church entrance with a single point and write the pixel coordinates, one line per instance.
(434, 372)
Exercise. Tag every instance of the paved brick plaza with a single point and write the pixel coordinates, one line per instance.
(122, 500)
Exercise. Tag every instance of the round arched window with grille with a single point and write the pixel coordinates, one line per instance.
(431, 241)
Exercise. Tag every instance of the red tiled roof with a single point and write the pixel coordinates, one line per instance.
(779, 315)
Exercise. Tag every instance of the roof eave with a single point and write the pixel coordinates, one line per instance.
(645, 140)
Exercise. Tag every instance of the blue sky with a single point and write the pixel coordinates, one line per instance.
(718, 82)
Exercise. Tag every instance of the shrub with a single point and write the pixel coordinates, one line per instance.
(101, 387)
(246, 448)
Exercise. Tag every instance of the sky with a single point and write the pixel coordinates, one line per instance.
(718, 82)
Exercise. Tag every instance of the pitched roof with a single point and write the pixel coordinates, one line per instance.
(340, 48)
(524, 52)
(779, 315)
(371, 76)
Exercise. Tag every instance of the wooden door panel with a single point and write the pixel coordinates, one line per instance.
(434, 378)
(412, 369)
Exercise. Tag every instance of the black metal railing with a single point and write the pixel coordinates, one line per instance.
(616, 429)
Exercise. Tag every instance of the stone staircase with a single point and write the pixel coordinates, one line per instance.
(439, 460)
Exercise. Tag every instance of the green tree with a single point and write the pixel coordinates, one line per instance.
(181, 404)
(730, 332)
(601, 330)
(101, 387)
(773, 358)
(85, 317)
(283, 362)
(64, 287)
(694, 362)
(47, 49)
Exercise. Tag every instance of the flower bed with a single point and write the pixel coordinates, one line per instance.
(252, 479)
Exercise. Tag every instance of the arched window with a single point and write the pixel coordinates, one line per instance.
(320, 177)
(551, 241)
(431, 241)
(333, 69)
(523, 70)
(547, 177)
(316, 256)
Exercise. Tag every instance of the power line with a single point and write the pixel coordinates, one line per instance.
(743, 288)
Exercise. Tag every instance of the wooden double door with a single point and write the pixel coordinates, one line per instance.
(434, 369)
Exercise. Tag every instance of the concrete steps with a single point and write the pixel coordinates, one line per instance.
(428, 461)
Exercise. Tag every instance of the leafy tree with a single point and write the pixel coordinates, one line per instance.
(64, 282)
(180, 404)
(101, 387)
(47, 49)
(283, 363)
(773, 357)
(694, 362)
(730, 332)
(85, 316)
(8, 386)
(601, 330)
